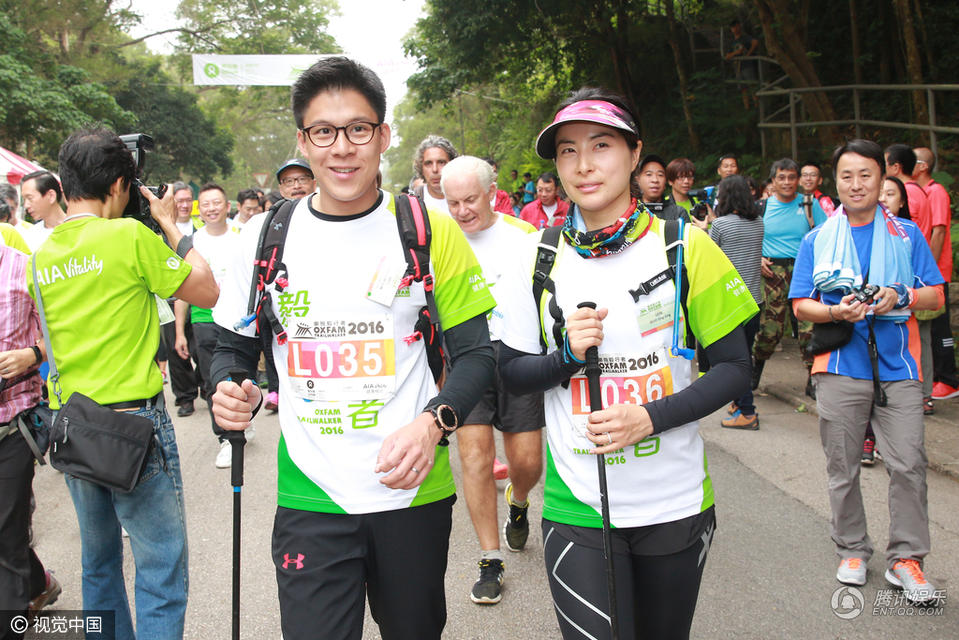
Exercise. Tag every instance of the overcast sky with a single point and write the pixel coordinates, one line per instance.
(372, 31)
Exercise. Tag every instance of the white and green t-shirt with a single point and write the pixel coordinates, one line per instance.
(493, 248)
(664, 477)
(98, 279)
(220, 253)
(348, 376)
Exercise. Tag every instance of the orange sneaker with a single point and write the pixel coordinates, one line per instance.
(907, 575)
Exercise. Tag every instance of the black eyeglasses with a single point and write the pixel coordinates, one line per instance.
(324, 135)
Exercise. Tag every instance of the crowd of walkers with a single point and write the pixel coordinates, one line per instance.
(608, 302)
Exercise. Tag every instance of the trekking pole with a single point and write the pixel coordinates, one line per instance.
(237, 442)
(593, 372)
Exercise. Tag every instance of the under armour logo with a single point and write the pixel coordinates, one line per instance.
(298, 561)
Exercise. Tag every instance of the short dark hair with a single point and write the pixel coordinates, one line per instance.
(595, 93)
(783, 164)
(527, 175)
(546, 176)
(679, 167)
(91, 160)
(337, 73)
(272, 198)
(210, 186)
(865, 148)
(4, 211)
(903, 155)
(45, 181)
(811, 163)
(247, 194)
(727, 156)
(903, 198)
(734, 196)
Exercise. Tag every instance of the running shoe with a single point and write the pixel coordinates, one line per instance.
(852, 571)
(272, 401)
(739, 421)
(47, 597)
(907, 575)
(500, 470)
(928, 408)
(224, 458)
(868, 452)
(489, 588)
(516, 528)
(942, 391)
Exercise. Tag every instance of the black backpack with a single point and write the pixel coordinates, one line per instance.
(546, 259)
(413, 225)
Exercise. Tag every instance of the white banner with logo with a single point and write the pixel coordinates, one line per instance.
(261, 70)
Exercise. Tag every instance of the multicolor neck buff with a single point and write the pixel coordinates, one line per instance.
(627, 229)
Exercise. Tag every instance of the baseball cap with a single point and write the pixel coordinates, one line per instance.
(598, 111)
(651, 158)
(293, 162)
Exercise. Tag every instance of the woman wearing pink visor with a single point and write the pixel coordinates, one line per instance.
(613, 252)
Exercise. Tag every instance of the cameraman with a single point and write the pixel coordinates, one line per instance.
(98, 276)
(873, 377)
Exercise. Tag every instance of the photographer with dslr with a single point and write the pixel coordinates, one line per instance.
(860, 276)
(97, 277)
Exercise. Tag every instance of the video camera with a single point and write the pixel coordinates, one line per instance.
(139, 207)
(699, 198)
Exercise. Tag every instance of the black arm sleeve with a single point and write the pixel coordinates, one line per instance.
(472, 366)
(234, 352)
(530, 373)
(727, 379)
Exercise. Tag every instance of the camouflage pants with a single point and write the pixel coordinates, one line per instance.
(775, 314)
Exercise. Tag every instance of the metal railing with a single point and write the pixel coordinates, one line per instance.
(793, 98)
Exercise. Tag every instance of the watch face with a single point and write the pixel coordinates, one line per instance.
(447, 416)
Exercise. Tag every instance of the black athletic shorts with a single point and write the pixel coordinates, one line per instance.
(327, 562)
(658, 570)
(507, 411)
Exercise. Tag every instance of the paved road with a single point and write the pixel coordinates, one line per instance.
(770, 573)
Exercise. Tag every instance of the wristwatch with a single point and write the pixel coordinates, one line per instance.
(446, 421)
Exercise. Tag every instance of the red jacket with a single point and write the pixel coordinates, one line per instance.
(533, 213)
(503, 204)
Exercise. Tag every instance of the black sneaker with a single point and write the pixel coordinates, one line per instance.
(489, 588)
(185, 409)
(516, 528)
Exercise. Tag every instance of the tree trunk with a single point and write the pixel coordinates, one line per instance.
(681, 75)
(856, 47)
(913, 61)
(785, 45)
(924, 36)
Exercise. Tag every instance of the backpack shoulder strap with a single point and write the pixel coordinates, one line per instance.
(671, 231)
(267, 267)
(542, 282)
(413, 224)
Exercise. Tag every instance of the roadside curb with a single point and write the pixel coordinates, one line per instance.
(938, 430)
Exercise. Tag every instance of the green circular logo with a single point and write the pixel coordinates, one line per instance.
(211, 70)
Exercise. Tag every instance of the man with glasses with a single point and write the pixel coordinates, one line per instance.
(217, 244)
(810, 179)
(365, 493)
(185, 381)
(785, 222)
(295, 179)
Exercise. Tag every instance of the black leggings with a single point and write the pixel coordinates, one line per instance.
(655, 595)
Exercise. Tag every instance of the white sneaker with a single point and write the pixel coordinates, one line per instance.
(852, 571)
(224, 459)
(250, 433)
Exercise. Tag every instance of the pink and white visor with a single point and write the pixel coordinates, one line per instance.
(598, 111)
